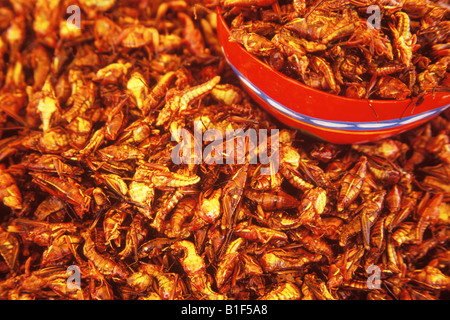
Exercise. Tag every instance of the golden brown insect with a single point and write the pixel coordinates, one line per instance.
(351, 183)
(404, 233)
(112, 224)
(9, 248)
(394, 198)
(112, 73)
(387, 148)
(312, 243)
(253, 42)
(266, 182)
(10, 194)
(106, 31)
(174, 228)
(432, 277)
(393, 88)
(106, 265)
(154, 247)
(138, 36)
(293, 49)
(273, 200)
(342, 270)
(259, 234)
(51, 164)
(231, 196)
(406, 207)
(369, 214)
(280, 260)
(46, 21)
(41, 233)
(83, 94)
(403, 40)
(194, 266)
(90, 181)
(312, 206)
(169, 286)
(295, 178)
(365, 219)
(428, 215)
(246, 3)
(192, 35)
(168, 202)
(179, 102)
(67, 189)
(284, 291)
(228, 262)
(157, 92)
(321, 66)
(210, 208)
(35, 283)
(60, 250)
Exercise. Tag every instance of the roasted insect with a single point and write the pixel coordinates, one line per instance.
(134, 166)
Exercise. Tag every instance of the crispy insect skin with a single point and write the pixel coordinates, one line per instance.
(158, 92)
(9, 248)
(120, 153)
(284, 291)
(228, 262)
(194, 266)
(192, 35)
(312, 243)
(272, 200)
(60, 250)
(280, 260)
(90, 183)
(365, 219)
(247, 3)
(428, 215)
(10, 193)
(351, 183)
(343, 268)
(432, 277)
(231, 196)
(253, 42)
(154, 247)
(67, 189)
(294, 177)
(165, 208)
(41, 233)
(210, 208)
(180, 101)
(406, 207)
(312, 206)
(260, 234)
(369, 214)
(174, 228)
(170, 286)
(106, 265)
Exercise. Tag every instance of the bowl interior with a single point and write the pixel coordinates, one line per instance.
(298, 100)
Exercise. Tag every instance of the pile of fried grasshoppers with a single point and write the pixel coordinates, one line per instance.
(90, 190)
(354, 48)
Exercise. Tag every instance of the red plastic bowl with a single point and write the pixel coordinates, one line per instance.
(329, 117)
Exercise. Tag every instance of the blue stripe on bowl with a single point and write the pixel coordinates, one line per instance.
(344, 125)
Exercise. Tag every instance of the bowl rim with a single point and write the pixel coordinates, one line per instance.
(354, 126)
